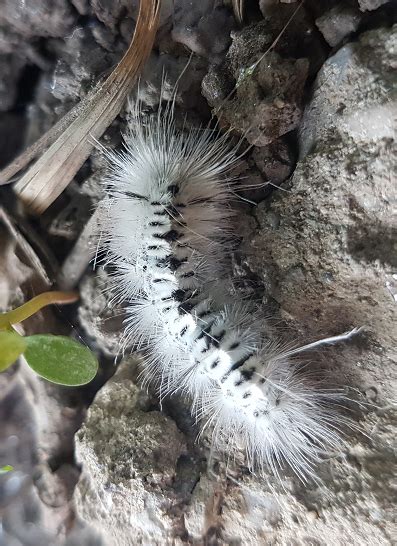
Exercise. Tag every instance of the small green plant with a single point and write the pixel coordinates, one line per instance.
(58, 359)
(5, 469)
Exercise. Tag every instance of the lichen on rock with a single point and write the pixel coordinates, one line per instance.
(129, 455)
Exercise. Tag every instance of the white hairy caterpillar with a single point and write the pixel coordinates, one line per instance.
(166, 230)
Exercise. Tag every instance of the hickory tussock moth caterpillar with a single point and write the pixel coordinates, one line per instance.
(166, 230)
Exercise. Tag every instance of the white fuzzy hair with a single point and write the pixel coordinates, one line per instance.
(167, 229)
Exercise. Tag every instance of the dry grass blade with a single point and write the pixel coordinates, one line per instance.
(50, 174)
(41, 278)
(238, 9)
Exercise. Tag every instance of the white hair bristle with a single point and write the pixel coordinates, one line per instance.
(167, 232)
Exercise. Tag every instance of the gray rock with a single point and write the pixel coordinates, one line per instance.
(37, 425)
(35, 499)
(332, 256)
(358, 113)
(129, 456)
(370, 5)
(100, 318)
(266, 5)
(80, 61)
(82, 6)
(52, 18)
(204, 27)
(275, 161)
(350, 508)
(337, 23)
(112, 13)
(267, 100)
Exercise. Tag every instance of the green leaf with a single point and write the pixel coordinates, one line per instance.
(5, 469)
(12, 345)
(60, 360)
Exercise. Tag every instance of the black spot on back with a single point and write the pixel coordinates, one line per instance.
(240, 362)
(247, 374)
(170, 236)
(179, 295)
(186, 307)
(135, 195)
(218, 338)
(173, 189)
(171, 262)
(187, 274)
(215, 364)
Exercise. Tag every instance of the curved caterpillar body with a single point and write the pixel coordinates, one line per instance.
(167, 227)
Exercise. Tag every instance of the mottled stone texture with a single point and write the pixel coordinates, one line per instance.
(337, 23)
(370, 5)
(329, 248)
(267, 102)
(129, 456)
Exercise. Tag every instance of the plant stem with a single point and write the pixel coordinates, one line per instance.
(35, 304)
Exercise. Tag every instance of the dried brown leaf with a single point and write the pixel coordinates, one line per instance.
(72, 142)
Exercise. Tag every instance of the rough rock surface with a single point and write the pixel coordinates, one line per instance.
(204, 27)
(36, 439)
(337, 23)
(129, 456)
(370, 5)
(39, 18)
(267, 103)
(328, 246)
(101, 320)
